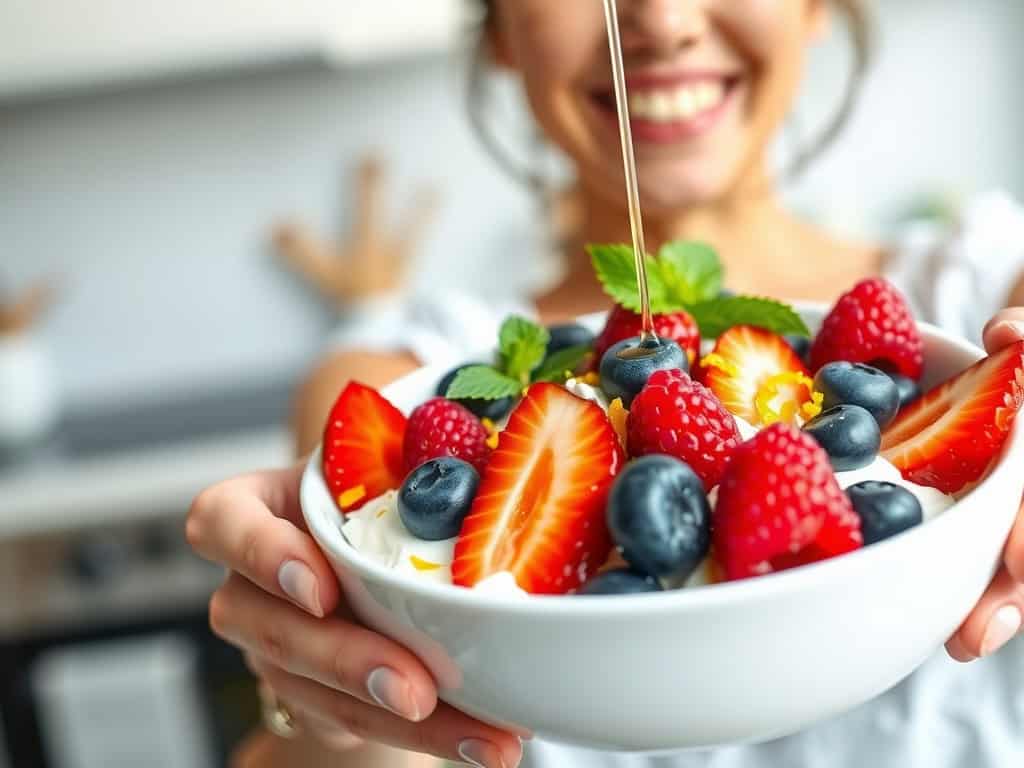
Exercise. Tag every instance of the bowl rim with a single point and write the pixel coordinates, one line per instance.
(327, 532)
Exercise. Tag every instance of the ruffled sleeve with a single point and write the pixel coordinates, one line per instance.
(959, 278)
(438, 328)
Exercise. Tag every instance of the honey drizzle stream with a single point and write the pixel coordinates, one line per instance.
(647, 335)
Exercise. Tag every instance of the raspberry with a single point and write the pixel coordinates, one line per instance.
(677, 416)
(622, 324)
(871, 324)
(780, 506)
(441, 427)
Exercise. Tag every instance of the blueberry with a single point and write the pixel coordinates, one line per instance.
(495, 410)
(845, 383)
(572, 335)
(626, 367)
(849, 434)
(659, 517)
(908, 389)
(884, 509)
(800, 344)
(436, 496)
(622, 581)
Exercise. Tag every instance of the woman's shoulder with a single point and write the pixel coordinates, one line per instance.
(958, 270)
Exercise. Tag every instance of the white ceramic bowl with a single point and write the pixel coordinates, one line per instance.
(738, 662)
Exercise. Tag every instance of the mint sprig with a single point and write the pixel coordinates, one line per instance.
(522, 360)
(521, 346)
(560, 365)
(616, 270)
(691, 271)
(717, 316)
(482, 382)
(688, 276)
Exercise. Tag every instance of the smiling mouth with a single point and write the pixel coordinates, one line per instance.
(664, 111)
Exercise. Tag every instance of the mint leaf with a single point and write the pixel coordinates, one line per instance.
(565, 361)
(691, 271)
(522, 345)
(615, 268)
(481, 382)
(716, 316)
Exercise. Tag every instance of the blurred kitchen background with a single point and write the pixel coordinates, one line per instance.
(150, 335)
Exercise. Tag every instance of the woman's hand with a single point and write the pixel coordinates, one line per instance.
(282, 606)
(996, 619)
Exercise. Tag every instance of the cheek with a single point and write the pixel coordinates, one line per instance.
(552, 43)
(771, 36)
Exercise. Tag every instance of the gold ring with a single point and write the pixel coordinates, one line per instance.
(277, 718)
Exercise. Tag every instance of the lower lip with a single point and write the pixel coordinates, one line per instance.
(652, 132)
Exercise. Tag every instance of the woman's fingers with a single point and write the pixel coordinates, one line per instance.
(447, 733)
(1004, 329)
(252, 525)
(1013, 555)
(997, 617)
(995, 620)
(332, 652)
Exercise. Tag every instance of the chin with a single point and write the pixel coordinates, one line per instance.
(666, 192)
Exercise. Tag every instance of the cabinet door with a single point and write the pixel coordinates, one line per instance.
(61, 44)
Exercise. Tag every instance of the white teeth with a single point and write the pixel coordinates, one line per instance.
(675, 104)
(661, 107)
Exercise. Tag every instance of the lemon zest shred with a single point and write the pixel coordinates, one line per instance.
(593, 378)
(812, 407)
(423, 565)
(618, 416)
(492, 432)
(351, 496)
(715, 360)
(789, 409)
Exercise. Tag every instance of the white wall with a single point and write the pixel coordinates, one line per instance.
(154, 208)
(154, 204)
(943, 109)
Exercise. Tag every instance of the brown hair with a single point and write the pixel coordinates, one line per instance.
(859, 28)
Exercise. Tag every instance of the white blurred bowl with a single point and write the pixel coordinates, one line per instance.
(738, 662)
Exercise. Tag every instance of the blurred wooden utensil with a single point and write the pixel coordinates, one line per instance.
(370, 261)
(21, 314)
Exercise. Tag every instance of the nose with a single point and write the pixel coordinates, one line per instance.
(662, 27)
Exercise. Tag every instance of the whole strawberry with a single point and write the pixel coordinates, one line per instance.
(780, 506)
(676, 416)
(871, 324)
(622, 324)
(441, 427)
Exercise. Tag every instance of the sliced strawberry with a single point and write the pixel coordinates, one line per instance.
(540, 510)
(758, 377)
(362, 447)
(949, 437)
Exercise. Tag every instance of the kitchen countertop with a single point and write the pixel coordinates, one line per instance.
(146, 460)
(130, 484)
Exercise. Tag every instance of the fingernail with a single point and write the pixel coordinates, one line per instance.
(480, 753)
(1002, 628)
(391, 691)
(299, 583)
